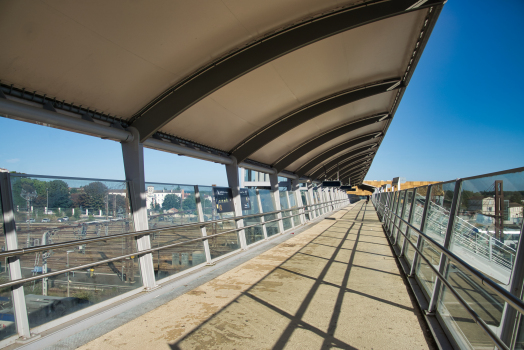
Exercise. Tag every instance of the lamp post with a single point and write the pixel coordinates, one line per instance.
(67, 255)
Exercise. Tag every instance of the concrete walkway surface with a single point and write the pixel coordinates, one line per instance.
(335, 285)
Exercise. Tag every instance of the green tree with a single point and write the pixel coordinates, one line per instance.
(189, 203)
(171, 201)
(94, 196)
(59, 196)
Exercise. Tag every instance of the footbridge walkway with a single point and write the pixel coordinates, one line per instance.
(335, 285)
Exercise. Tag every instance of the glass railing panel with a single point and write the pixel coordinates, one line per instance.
(405, 215)
(304, 195)
(250, 206)
(222, 207)
(170, 205)
(485, 237)
(58, 296)
(398, 211)
(426, 276)
(286, 221)
(391, 198)
(268, 205)
(54, 210)
(416, 220)
(439, 207)
(293, 203)
(7, 315)
(466, 332)
(170, 261)
(33, 264)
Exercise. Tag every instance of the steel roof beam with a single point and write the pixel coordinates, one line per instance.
(321, 158)
(305, 113)
(368, 149)
(218, 73)
(356, 160)
(318, 141)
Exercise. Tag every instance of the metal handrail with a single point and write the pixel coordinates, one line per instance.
(21, 251)
(515, 302)
(138, 253)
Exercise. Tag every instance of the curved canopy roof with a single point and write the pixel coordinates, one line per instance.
(302, 86)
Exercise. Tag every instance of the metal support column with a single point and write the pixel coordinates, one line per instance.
(289, 207)
(510, 316)
(133, 154)
(295, 188)
(447, 241)
(15, 271)
(420, 240)
(233, 182)
(273, 179)
(200, 213)
(311, 202)
(262, 219)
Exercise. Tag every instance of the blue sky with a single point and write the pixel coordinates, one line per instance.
(461, 115)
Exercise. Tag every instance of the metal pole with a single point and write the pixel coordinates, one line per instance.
(133, 154)
(273, 179)
(200, 213)
(289, 207)
(233, 182)
(15, 270)
(447, 241)
(510, 317)
(262, 219)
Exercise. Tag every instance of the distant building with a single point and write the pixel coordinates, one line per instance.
(157, 196)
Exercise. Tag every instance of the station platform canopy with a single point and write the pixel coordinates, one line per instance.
(307, 87)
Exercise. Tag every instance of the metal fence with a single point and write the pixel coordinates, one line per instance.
(465, 277)
(71, 245)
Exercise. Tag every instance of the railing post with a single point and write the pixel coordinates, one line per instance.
(311, 202)
(289, 207)
(262, 220)
(295, 188)
(405, 193)
(133, 154)
(420, 240)
(447, 241)
(273, 179)
(404, 246)
(510, 317)
(15, 270)
(200, 213)
(233, 182)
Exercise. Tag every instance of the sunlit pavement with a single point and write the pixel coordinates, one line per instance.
(336, 285)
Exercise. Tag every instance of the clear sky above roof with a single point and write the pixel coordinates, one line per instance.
(460, 116)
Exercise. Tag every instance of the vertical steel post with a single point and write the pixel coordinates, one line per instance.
(410, 217)
(200, 213)
(233, 183)
(289, 207)
(262, 219)
(133, 154)
(447, 241)
(311, 202)
(510, 317)
(420, 240)
(15, 270)
(295, 188)
(273, 180)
